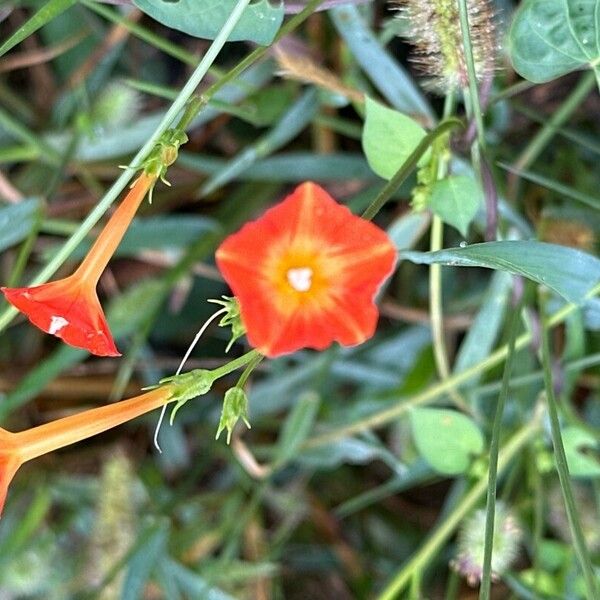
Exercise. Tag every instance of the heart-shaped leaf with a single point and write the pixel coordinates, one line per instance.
(446, 439)
(569, 272)
(389, 138)
(549, 38)
(456, 200)
(205, 18)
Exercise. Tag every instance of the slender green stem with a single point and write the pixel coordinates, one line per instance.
(473, 98)
(248, 370)
(490, 515)
(137, 161)
(538, 518)
(237, 363)
(452, 585)
(447, 527)
(440, 166)
(388, 415)
(435, 301)
(535, 147)
(407, 167)
(26, 248)
(563, 469)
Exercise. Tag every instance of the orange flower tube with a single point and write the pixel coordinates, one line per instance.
(306, 273)
(69, 308)
(18, 448)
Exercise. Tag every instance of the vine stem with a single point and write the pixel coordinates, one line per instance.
(392, 413)
(176, 107)
(563, 469)
(407, 167)
(439, 537)
(490, 509)
(473, 95)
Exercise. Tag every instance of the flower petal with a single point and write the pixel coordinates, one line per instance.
(306, 273)
(69, 310)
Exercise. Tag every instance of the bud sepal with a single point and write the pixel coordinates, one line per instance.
(235, 407)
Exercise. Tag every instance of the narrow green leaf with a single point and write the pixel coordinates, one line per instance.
(50, 10)
(288, 166)
(481, 335)
(394, 83)
(389, 138)
(456, 200)
(297, 426)
(205, 18)
(569, 272)
(16, 221)
(446, 439)
(550, 38)
(151, 546)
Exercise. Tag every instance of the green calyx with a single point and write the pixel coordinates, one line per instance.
(231, 318)
(235, 407)
(165, 153)
(188, 386)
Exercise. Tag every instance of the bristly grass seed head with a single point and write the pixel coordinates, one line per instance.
(471, 541)
(434, 28)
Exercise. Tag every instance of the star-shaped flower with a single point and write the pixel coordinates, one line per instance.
(306, 273)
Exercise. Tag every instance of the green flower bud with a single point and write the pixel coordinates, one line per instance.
(235, 407)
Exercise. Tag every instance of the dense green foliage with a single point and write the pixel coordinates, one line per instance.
(362, 464)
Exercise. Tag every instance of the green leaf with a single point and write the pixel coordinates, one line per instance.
(297, 427)
(456, 200)
(389, 138)
(549, 38)
(386, 73)
(150, 548)
(45, 14)
(582, 451)
(205, 18)
(446, 439)
(481, 335)
(569, 272)
(16, 221)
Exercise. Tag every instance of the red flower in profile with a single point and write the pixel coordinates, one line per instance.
(69, 308)
(306, 273)
(18, 448)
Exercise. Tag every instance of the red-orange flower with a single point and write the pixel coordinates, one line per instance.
(69, 308)
(18, 448)
(306, 273)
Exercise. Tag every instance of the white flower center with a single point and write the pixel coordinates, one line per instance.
(300, 278)
(56, 324)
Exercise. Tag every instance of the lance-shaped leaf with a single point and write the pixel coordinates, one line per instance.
(569, 272)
